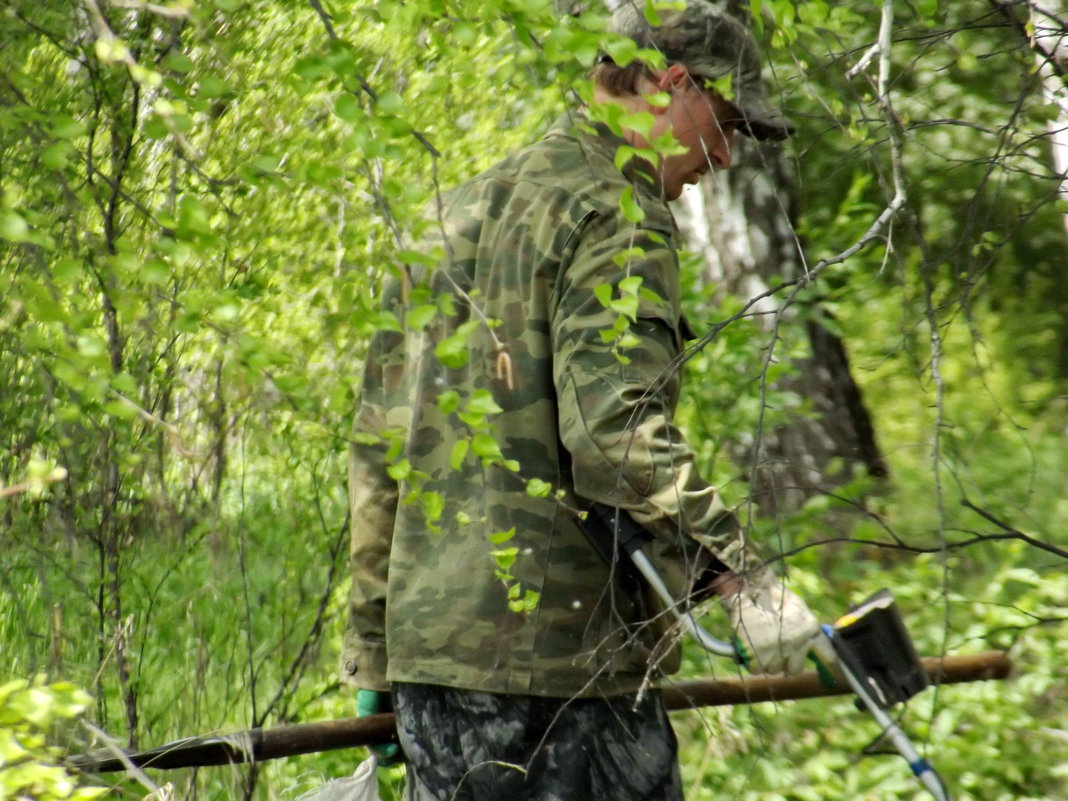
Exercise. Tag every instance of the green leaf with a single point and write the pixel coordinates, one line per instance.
(418, 318)
(527, 603)
(724, 86)
(176, 61)
(452, 351)
(13, 228)
(399, 471)
(623, 156)
(348, 108)
(381, 320)
(623, 50)
(124, 383)
(211, 87)
(449, 401)
(55, 156)
(505, 557)
(482, 402)
(486, 447)
(630, 285)
(632, 212)
(584, 48)
(465, 33)
(418, 257)
(649, 10)
(265, 162)
(67, 270)
(66, 127)
(536, 488)
(91, 346)
(155, 127)
(659, 99)
(459, 451)
(501, 537)
(649, 295)
(624, 258)
(641, 122)
(604, 294)
(156, 272)
(111, 50)
(120, 409)
(433, 505)
(627, 305)
(390, 103)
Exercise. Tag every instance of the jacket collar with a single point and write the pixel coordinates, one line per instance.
(597, 136)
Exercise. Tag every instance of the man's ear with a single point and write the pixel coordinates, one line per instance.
(670, 80)
(675, 76)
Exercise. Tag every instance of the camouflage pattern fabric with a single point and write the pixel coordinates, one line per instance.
(528, 244)
(467, 745)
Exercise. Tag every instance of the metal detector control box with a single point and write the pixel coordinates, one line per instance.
(879, 649)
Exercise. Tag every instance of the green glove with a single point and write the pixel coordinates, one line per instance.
(374, 702)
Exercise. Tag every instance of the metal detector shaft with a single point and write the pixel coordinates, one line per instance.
(615, 535)
(704, 639)
(921, 768)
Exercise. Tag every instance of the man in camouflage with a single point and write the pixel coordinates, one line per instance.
(533, 374)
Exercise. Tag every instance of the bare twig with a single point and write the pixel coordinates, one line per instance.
(1014, 533)
(58, 474)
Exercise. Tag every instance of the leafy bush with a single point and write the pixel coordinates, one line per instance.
(30, 711)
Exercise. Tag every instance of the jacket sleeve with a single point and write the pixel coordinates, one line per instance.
(373, 506)
(616, 408)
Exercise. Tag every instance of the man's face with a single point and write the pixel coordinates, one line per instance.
(703, 123)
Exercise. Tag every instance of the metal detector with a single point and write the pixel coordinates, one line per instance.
(875, 653)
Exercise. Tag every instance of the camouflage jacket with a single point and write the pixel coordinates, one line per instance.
(508, 397)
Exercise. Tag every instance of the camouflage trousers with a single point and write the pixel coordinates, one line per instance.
(474, 746)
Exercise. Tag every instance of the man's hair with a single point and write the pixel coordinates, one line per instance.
(618, 80)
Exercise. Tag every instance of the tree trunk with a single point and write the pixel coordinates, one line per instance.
(741, 222)
(1049, 20)
(1049, 39)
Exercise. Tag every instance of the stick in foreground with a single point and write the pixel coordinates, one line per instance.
(258, 745)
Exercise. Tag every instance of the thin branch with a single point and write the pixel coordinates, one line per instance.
(367, 88)
(33, 484)
(940, 548)
(173, 12)
(1014, 533)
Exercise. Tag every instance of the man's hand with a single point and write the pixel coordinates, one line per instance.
(374, 702)
(774, 629)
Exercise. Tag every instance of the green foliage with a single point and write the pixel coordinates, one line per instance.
(198, 203)
(961, 366)
(30, 711)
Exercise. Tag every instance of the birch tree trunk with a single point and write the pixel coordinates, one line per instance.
(741, 222)
(1049, 21)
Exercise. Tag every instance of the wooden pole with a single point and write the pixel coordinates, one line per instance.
(757, 689)
(258, 745)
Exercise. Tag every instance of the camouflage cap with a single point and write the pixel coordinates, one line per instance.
(711, 44)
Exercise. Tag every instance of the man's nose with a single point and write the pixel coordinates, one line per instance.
(721, 154)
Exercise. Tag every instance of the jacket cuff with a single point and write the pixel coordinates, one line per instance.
(363, 664)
